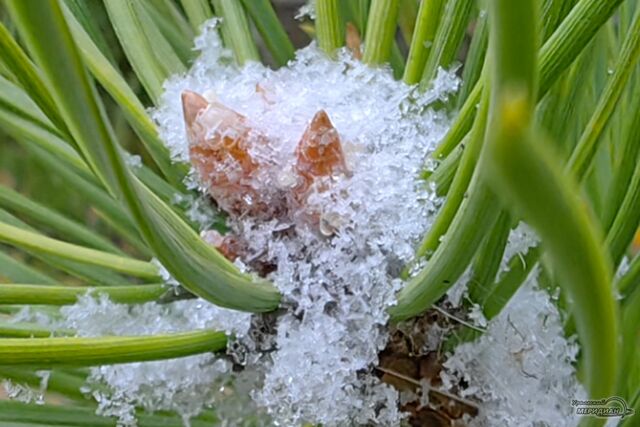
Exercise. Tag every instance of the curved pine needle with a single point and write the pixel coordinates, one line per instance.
(41, 244)
(74, 351)
(517, 166)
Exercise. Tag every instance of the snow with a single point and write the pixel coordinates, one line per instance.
(520, 240)
(307, 10)
(186, 385)
(338, 276)
(521, 371)
(26, 394)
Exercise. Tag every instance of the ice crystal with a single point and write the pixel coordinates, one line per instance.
(521, 371)
(338, 275)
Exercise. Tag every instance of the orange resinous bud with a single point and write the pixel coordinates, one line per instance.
(220, 146)
(319, 152)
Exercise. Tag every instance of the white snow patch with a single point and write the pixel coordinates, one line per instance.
(520, 240)
(185, 385)
(521, 371)
(307, 10)
(26, 394)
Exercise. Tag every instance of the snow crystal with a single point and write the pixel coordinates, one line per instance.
(198, 209)
(19, 392)
(337, 281)
(521, 371)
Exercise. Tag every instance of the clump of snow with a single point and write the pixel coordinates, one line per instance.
(477, 316)
(133, 161)
(307, 10)
(164, 274)
(185, 385)
(337, 284)
(30, 314)
(26, 394)
(458, 292)
(96, 316)
(521, 370)
(520, 240)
